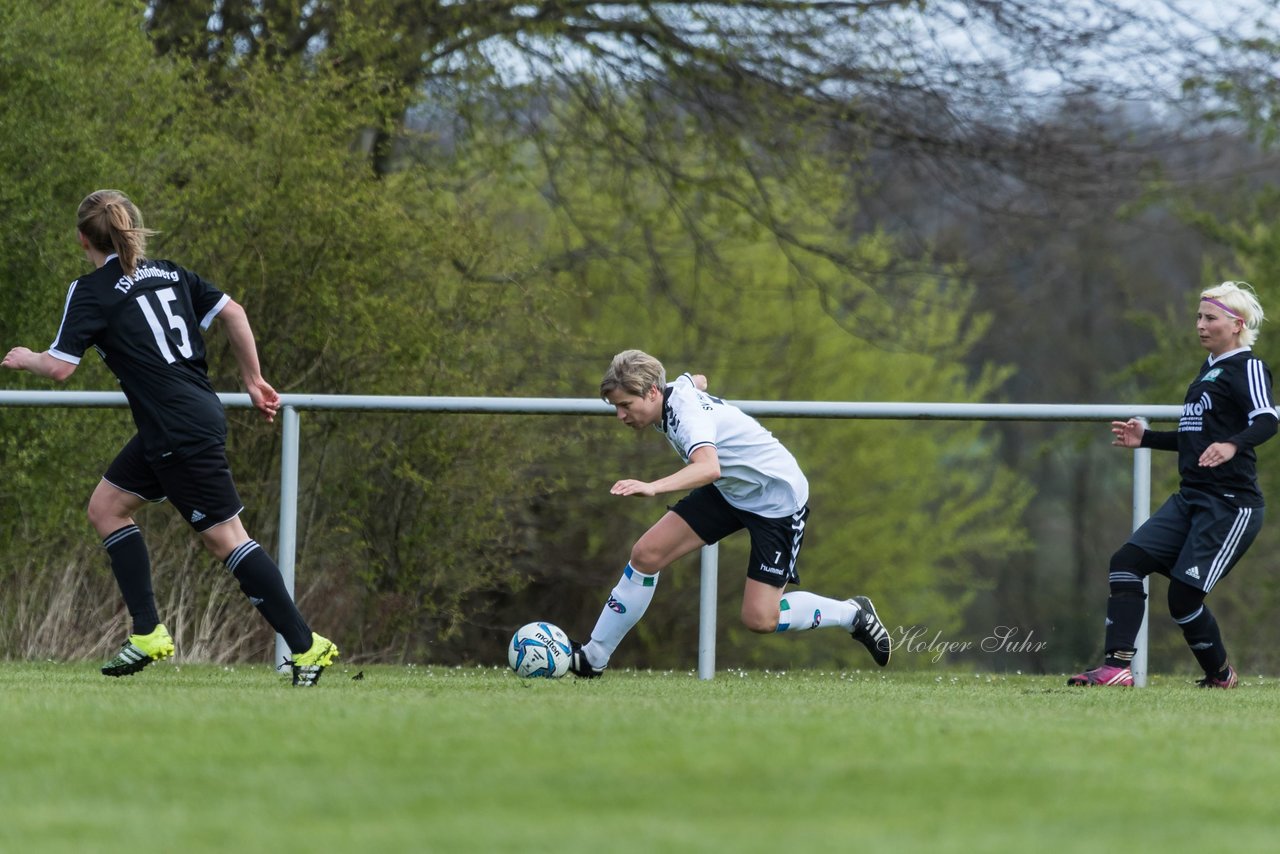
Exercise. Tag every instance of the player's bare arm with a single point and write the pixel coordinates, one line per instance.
(703, 468)
(245, 349)
(40, 364)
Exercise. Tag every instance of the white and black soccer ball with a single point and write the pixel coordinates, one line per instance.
(539, 649)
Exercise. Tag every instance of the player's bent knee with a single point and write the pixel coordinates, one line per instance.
(763, 624)
(1131, 559)
(103, 519)
(216, 548)
(647, 560)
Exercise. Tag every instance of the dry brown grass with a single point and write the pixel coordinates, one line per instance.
(71, 609)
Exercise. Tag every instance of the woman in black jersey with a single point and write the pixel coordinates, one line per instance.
(144, 317)
(1208, 524)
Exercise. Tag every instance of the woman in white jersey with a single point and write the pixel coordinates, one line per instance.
(740, 477)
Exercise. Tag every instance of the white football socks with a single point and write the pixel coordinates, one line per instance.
(627, 604)
(800, 611)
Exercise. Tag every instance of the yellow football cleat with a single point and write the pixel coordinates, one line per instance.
(307, 666)
(139, 651)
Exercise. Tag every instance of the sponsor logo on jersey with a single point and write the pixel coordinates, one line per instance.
(1192, 420)
(125, 283)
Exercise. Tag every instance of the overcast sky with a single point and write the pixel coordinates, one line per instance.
(1148, 50)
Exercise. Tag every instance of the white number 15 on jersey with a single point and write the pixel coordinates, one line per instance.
(164, 298)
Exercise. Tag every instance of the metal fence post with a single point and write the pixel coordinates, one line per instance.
(707, 591)
(288, 545)
(1142, 512)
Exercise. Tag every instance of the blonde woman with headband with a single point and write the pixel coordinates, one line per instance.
(144, 317)
(1204, 528)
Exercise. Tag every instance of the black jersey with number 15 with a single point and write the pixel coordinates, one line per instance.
(147, 329)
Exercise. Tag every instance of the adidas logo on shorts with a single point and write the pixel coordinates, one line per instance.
(196, 515)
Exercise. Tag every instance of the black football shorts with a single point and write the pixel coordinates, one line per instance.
(775, 543)
(199, 486)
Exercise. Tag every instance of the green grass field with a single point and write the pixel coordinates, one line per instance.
(204, 758)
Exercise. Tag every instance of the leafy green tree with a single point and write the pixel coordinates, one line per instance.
(892, 76)
(1235, 97)
(909, 515)
(549, 184)
(352, 284)
(66, 127)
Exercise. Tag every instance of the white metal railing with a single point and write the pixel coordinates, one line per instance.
(292, 404)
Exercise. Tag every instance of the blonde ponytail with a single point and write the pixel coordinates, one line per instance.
(112, 223)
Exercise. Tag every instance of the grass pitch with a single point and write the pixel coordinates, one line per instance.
(205, 758)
